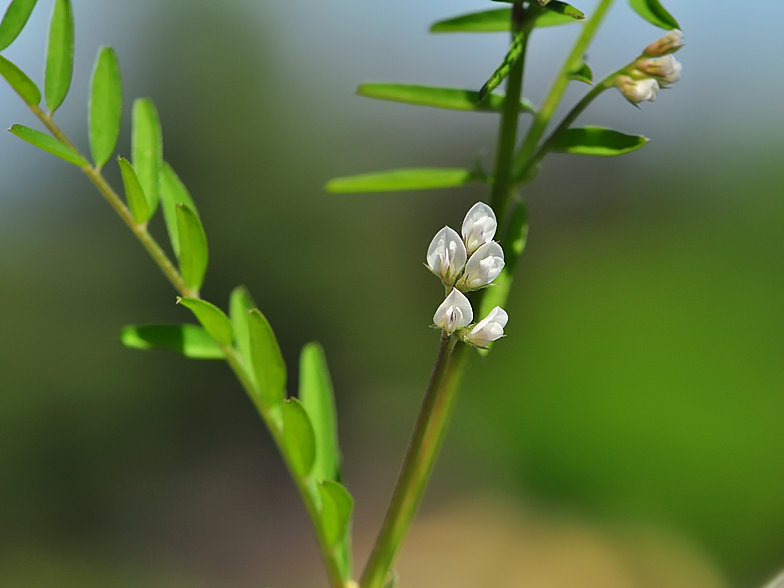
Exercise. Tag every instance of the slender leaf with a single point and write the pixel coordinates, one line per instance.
(582, 74)
(597, 141)
(447, 98)
(398, 180)
(337, 505)
(316, 395)
(654, 13)
(173, 192)
(133, 192)
(190, 340)
(212, 318)
(498, 20)
(564, 9)
(267, 361)
(147, 149)
(14, 21)
(240, 303)
(105, 106)
(23, 85)
(298, 438)
(59, 55)
(194, 254)
(515, 50)
(50, 144)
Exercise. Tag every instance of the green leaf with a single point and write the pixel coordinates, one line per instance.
(193, 247)
(190, 340)
(267, 361)
(336, 508)
(50, 144)
(133, 192)
(654, 13)
(448, 98)
(173, 192)
(564, 9)
(59, 55)
(212, 318)
(240, 303)
(582, 74)
(105, 106)
(147, 149)
(515, 50)
(298, 439)
(498, 20)
(398, 180)
(23, 85)
(596, 141)
(316, 395)
(14, 21)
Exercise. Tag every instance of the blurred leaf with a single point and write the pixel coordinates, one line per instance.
(583, 74)
(190, 340)
(515, 50)
(498, 20)
(654, 13)
(173, 192)
(23, 85)
(105, 106)
(596, 141)
(240, 303)
(316, 395)
(59, 55)
(337, 505)
(14, 21)
(550, 18)
(133, 192)
(50, 144)
(298, 438)
(564, 9)
(212, 318)
(266, 359)
(448, 98)
(147, 149)
(194, 254)
(397, 180)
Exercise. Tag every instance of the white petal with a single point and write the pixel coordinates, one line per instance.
(489, 328)
(479, 226)
(484, 266)
(446, 255)
(455, 312)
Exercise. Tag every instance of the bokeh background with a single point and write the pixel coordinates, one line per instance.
(629, 431)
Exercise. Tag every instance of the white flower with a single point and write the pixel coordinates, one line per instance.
(454, 313)
(637, 90)
(446, 255)
(667, 69)
(483, 267)
(669, 43)
(488, 329)
(479, 226)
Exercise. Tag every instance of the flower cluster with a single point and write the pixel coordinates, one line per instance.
(655, 69)
(463, 265)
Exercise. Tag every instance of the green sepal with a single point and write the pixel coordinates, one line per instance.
(337, 505)
(190, 340)
(14, 21)
(134, 194)
(446, 98)
(147, 149)
(298, 438)
(654, 13)
(59, 55)
(267, 362)
(212, 318)
(194, 254)
(23, 85)
(399, 180)
(316, 395)
(582, 74)
(173, 192)
(596, 141)
(515, 50)
(105, 106)
(50, 144)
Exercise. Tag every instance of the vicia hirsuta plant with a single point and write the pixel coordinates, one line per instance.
(469, 264)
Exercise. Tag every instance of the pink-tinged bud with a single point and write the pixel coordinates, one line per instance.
(454, 313)
(637, 91)
(667, 69)
(670, 42)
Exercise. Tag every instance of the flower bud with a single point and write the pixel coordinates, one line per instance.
(446, 255)
(479, 226)
(669, 43)
(483, 267)
(637, 90)
(454, 313)
(667, 69)
(488, 329)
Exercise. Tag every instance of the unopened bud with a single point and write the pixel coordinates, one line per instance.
(637, 90)
(667, 69)
(670, 42)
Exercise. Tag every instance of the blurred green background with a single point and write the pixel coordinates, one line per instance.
(628, 431)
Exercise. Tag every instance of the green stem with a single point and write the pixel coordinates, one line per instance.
(417, 467)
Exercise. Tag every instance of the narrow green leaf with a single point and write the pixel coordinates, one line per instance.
(105, 106)
(173, 192)
(240, 303)
(564, 9)
(654, 13)
(515, 50)
(316, 395)
(59, 55)
(298, 439)
(194, 254)
(147, 149)
(582, 74)
(23, 85)
(597, 141)
(398, 180)
(336, 508)
(190, 340)
(267, 361)
(50, 144)
(498, 20)
(212, 318)
(133, 192)
(14, 21)
(447, 98)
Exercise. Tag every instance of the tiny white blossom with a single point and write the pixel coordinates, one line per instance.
(483, 267)
(454, 313)
(479, 226)
(670, 42)
(637, 90)
(667, 69)
(446, 255)
(489, 328)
